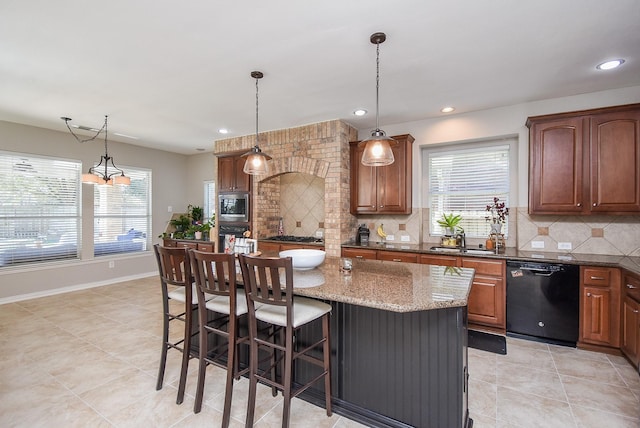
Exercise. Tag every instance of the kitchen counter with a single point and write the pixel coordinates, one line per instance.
(627, 262)
(390, 286)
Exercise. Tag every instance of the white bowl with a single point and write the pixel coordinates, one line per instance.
(304, 259)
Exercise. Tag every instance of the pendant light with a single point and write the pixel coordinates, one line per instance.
(105, 172)
(377, 150)
(256, 161)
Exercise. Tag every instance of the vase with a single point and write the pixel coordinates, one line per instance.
(496, 228)
(198, 235)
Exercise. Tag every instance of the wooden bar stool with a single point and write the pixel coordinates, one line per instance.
(175, 270)
(269, 283)
(220, 306)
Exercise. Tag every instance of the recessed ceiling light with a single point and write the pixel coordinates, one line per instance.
(223, 130)
(447, 109)
(608, 65)
(360, 112)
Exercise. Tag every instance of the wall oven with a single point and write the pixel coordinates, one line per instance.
(233, 207)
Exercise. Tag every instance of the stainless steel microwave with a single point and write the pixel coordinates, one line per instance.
(233, 207)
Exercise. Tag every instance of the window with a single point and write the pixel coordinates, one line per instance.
(122, 215)
(39, 208)
(209, 200)
(464, 180)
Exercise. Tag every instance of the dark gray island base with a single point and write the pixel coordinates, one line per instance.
(397, 367)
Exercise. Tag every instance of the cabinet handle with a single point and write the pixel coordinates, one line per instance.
(635, 311)
(381, 206)
(579, 204)
(595, 205)
(588, 294)
(631, 287)
(359, 257)
(373, 206)
(597, 278)
(397, 260)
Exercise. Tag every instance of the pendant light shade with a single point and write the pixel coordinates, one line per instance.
(377, 150)
(256, 161)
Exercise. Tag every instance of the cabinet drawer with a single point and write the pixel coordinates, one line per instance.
(600, 277)
(632, 287)
(438, 260)
(192, 245)
(358, 253)
(484, 266)
(397, 256)
(206, 247)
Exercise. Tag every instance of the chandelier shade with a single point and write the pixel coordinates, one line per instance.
(256, 162)
(104, 172)
(378, 148)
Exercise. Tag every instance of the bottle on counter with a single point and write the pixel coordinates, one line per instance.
(280, 227)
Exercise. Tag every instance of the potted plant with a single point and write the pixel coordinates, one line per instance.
(196, 213)
(497, 216)
(199, 228)
(181, 224)
(450, 223)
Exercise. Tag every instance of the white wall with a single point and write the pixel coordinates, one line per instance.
(502, 121)
(170, 178)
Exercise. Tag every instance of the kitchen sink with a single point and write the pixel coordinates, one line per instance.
(478, 251)
(463, 250)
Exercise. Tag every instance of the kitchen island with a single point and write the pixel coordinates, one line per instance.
(399, 341)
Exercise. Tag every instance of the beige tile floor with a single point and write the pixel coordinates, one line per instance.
(89, 359)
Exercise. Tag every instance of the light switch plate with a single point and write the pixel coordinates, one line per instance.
(390, 237)
(564, 245)
(405, 238)
(537, 244)
(318, 234)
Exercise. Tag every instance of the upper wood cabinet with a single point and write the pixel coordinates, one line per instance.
(382, 189)
(585, 162)
(231, 177)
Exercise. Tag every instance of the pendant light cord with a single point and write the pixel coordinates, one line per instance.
(257, 111)
(377, 86)
(106, 153)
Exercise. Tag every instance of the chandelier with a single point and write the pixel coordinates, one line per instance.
(105, 172)
(256, 161)
(377, 150)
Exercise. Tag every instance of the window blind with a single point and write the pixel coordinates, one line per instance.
(465, 181)
(122, 215)
(209, 200)
(39, 208)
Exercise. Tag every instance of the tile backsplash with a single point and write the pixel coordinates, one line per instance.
(301, 203)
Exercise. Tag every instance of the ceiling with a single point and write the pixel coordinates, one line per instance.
(173, 73)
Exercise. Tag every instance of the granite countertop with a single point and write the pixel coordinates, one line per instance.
(627, 262)
(391, 286)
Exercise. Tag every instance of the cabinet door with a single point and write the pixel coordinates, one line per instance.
(631, 329)
(486, 302)
(363, 184)
(615, 162)
(596, 315)
(555, 166)
(242, 180)
(392, 181)
(269, 247)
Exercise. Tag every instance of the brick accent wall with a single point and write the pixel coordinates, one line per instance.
(320, 149)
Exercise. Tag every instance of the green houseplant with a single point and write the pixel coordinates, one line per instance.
(450, 223)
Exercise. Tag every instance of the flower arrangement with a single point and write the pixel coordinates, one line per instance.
(497, 212)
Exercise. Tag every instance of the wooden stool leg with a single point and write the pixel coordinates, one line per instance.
(163, 353)
(186, 354)
(202, 368)
(326, 350)
(231, 365)
(286, 380)
(253, 384)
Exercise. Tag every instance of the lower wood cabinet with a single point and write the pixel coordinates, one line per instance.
(600, 306)
(487, 298)
(430, 259)
(360, 253)
(274, 247)
(630, 337)
(397, 256)
(630, 343)
(196, 245)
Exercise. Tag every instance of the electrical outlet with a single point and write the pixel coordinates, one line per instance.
(405, 238)
(390, 237)
(318, 234)
(170, 209)
(112, 264)
(564, 245)
(537, 244)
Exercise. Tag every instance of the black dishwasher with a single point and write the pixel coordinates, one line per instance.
(543, 301)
